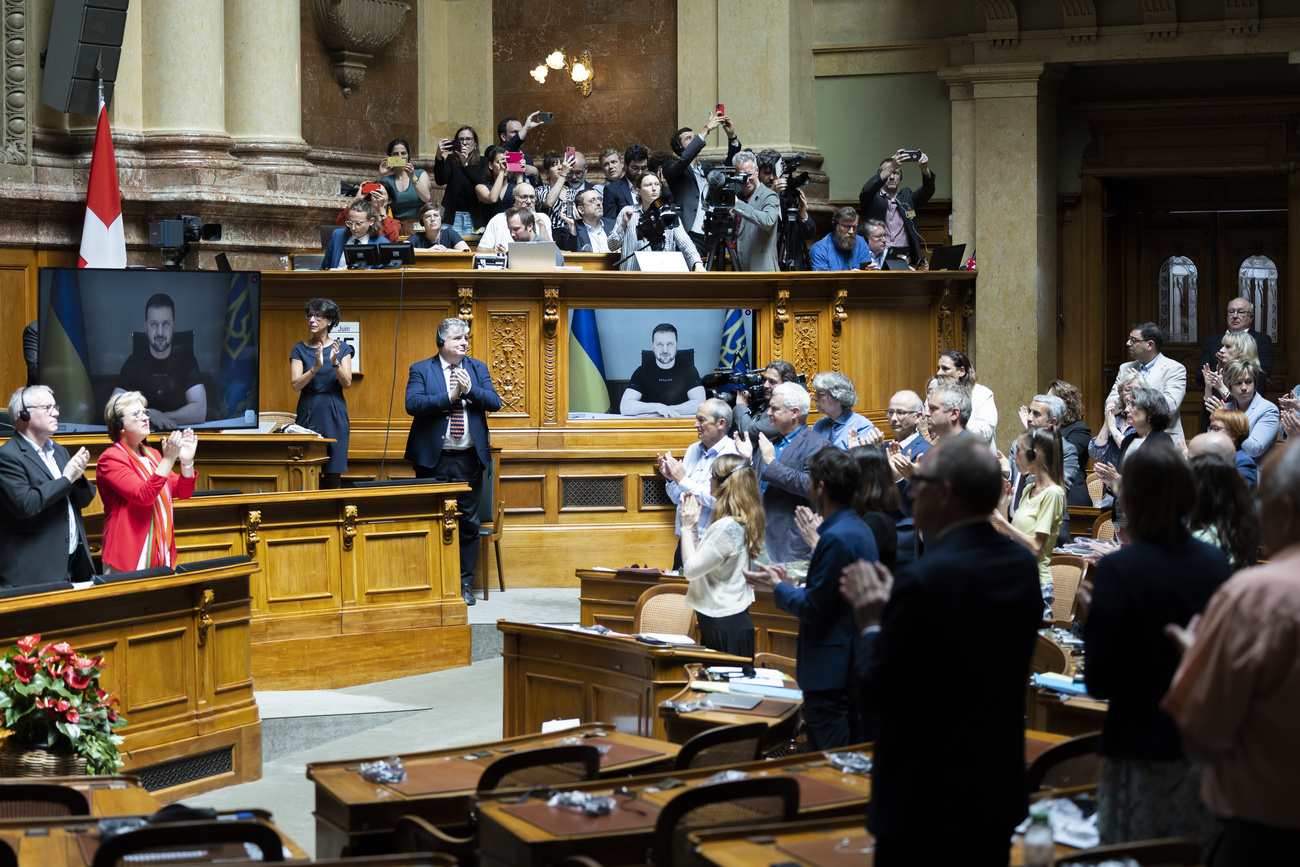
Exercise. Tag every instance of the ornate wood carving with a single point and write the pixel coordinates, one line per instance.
(838, 317)
(805, 344)
(779, 314)
(205, 615)
(17, 143)
(353, 30)
(550, 353)
(449, 513)
(251, 539)
(466, 312)
(509, 359)
(947, 323)
(297, 453)
(550, 309)
(349, 526)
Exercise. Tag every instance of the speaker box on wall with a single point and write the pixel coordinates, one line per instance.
(81, 32)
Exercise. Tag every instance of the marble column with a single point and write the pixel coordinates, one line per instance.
(1014, 134)
(263, 93)
(961, 94)
(183, 86)
(455, 72)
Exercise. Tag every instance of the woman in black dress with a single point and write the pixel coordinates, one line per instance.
(319, 370)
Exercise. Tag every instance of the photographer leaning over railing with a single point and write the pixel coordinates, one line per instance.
(882, 199)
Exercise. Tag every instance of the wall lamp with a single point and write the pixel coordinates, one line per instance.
(579, 69)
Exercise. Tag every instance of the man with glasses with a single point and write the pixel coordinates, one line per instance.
(969, 574)
(843, 249)
(42, 493)
(905, 408)
(496, 236)
(557, 199)
(1160, 372)
(1241, 318)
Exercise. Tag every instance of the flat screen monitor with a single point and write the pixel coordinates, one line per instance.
(361, 255)
(186, 340)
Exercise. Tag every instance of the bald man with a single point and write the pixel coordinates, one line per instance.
(1217, 443)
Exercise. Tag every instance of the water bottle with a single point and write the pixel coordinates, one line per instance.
(1038, 839)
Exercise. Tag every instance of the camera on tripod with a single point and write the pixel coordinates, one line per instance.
(725, 183)
(793, 181)
(726, 385)
(656, 220)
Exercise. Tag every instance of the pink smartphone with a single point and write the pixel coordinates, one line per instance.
(514, 161)
(568, 152)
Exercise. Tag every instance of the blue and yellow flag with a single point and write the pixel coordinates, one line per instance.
(64, 353)
(587, 389)
(735, 350)
(237, 372)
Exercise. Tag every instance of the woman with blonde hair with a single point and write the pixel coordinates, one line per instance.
(1236, 345)
(1038, 518)
(714, 565)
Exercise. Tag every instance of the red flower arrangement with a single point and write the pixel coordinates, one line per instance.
(52, 698)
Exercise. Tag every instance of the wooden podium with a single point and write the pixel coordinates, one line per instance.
(555, 672)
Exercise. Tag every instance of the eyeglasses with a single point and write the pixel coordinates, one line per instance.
(356, 224)
(1133, 341)
(899, 412)
(48, 407)
(848, 227)
(312, 317)
(138, 415)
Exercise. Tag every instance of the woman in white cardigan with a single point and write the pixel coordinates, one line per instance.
(718, 591)
(983, 422)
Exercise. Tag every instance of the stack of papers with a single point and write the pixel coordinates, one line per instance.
(1060, 683)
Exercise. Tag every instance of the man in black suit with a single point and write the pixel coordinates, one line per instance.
(825, 663)
(881, 199)
(449, 397)
(42, 493)
(1241, 317)
(621, 172)
(969, 577)
(590, 231)
(686, 176)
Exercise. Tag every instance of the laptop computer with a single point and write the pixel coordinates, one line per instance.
(947, 258)
(532, 256)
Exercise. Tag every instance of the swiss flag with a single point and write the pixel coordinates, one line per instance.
(103, 243)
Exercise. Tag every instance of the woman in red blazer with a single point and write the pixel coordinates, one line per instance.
(137, 487)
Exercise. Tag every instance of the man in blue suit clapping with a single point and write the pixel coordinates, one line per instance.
(449, 397)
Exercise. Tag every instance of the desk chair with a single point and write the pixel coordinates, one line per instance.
(663, 609)
(756, 801)
(724, 745)
(1048, 657)
(1070, 763)
(783, 664)
(545, 766)
(41, 801)
(1096, 488)
(1067, 573)
(186, 837)
(1104, 528)
(1170, 852)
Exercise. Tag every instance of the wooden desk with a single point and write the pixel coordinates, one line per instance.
(355, 585)
(609, 599)
(809, 843)
(1082, 518)
(66, 842)
(557, 673)
(782, 717)
(427, 259)
(354, 816)
(1070, 717)
(176, 652)
(108, 794)
(508, 839)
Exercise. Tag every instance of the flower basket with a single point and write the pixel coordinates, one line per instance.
(60, 721)
(18, 759)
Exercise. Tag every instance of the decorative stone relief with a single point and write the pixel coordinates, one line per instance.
(1159, 19)
(1003, 22)
(509, 359)
(353, 31)
(17, 144)
(1080, 20)
(1241, 17)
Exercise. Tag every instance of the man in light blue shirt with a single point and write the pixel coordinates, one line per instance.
(843, 249)
(835, 397)
(877, 245)
(694, 473)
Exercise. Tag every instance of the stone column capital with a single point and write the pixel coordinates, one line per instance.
(985, 80)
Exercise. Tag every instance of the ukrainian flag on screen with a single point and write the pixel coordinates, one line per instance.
(587, 391)
(734, 348)
(238, 369)
(64, 354)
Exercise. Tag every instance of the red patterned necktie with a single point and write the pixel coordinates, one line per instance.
(457, 414)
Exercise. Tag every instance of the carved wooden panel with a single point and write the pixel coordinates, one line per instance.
(805, 359)
(509, 359)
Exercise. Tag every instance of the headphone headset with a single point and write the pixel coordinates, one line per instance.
(675, 140)
(117, 426)
(437, 338)
(1031, 453)
(26, 414)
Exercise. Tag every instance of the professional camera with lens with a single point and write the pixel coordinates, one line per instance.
(726, 385)
(791, 164)
(655, 220)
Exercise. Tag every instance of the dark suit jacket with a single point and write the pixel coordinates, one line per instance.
(34, 532)
(1136, 591)
(686, 193)
(826, 627)
(787, 479)
(618, 195)
(428, 403)
(334, 248)
(970, 575)
(1077, 434)
(575, 243)
(874, 208)
(1214, 343)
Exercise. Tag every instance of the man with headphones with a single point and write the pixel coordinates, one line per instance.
(448, 397)
(687, 176)
(42, 493)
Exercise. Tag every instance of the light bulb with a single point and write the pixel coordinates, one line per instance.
(580, 72)
(539, 74)
(555, 60)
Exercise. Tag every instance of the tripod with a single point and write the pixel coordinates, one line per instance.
(719, 239)
(792, 253)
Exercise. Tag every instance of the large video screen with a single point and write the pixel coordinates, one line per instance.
(653, 363)
(186, 340)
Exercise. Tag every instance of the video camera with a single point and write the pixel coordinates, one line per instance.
(787, 167)
(655, 220)
(726, 385)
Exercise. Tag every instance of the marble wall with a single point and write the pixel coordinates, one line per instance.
(634, 49)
